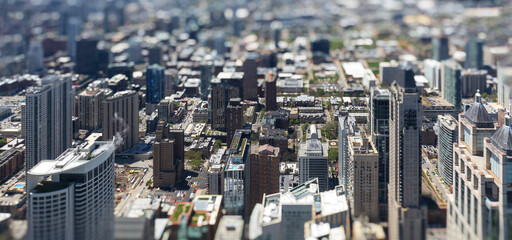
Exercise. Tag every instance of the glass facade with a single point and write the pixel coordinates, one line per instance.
(495, 165)
(467, 136)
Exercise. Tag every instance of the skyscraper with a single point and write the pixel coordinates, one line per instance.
(121, 119)
(155, 84)
(73, 30)
(264, 172)
(90, 111)
(47, 119)
(35, 57)
(226, 86)
(250, 67)
(206, 69)
(474, 52)
(473, 80)
(313, 159)
(72, 197)
(452, 83)
(379, 130)
(406, 217)
(168, 159)
(448, 130)
(235, 118)
(86, 56)
(504, 72)
(346, 128)
(440, 48)
(236, 189)
(271, 93)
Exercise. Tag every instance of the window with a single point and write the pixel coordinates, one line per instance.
(495, 165)
(467, 136)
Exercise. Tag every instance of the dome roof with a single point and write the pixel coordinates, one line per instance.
(503, 137)
(477, 113)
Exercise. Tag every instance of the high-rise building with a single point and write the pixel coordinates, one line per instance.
(313, 159)
(440, 48)
(363, 188)
(35, 56)
(47, 119)
(72, 197)
(271, 93)
(165, 107)
(474, 52)
(235, 118)
(480, 205)
(86, 56)
(155, 84)
(226, 86)
(448, 130)
(452, 84)
(155, 55)
(90, 110)
(236, 189)
(250, 69)
(346, 128)
(474, 125)
(379, 130)
(283, 215)
(473, 80)
(135, 50)
(168, 162)
(406, 216)
(264, 172)
(73, 30)
(121, 119)
(504, 84)
(206, 69)
(432, 71)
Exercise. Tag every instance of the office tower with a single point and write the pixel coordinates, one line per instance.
(440, 48)
(346, 128)
(387, 72)
(473, 80)
(271, 93)
(250, 80)
(135, 50)
(206, 69)
(90, 110)
(226, 86)
(432, 71)
(121, 119)
(264, 172)
(474, 52)
(283, 215)
(73, 30)
(275, 28)
(219, 43)
(155, 84)
(406, 217)
(379, 129)
(236, 181)
(178, 135)
(479, 207)
(35, 57)
(452, 83)
(235, 118)
(46, 119)
(363, 188)
(447, 136)
(320, 45)
(168, 162)
(504, 72)
(165, 108)
(313, 159)
(155, 55)
(86, 56)
(72, 197)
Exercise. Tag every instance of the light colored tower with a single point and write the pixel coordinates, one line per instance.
(72, 197)
(46, 119)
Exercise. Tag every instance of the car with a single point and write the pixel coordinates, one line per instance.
(194, 191)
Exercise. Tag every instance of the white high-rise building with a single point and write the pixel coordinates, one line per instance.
(72, 197)
(313, 159)
(47, 119)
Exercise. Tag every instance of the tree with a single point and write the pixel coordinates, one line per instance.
(330, 130)
(217, 145)
(3, 141)
(333, 154)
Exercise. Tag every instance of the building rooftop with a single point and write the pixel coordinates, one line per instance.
(121, 94)
(230, 227)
